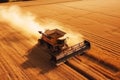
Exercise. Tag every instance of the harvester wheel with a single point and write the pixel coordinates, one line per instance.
(51, 49)
(48, 45)
(41, 41)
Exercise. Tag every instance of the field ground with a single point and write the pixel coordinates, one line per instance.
(22, 58)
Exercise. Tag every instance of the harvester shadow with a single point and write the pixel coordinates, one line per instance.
(38, 57)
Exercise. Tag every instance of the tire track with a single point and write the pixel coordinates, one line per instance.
(104, 64)
(98, 67)
(86, 70)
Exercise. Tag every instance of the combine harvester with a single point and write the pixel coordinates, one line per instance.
(59, 50)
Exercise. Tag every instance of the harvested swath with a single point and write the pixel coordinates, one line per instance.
(102, 63)
(3, 73)
(97, 66)
(104, 56)
(72, 74)
(86, 70)
(14, 63)
(117, 75)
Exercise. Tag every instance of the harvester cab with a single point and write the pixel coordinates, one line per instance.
(60, 51)
(53, 41)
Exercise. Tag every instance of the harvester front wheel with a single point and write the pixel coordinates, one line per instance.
(41, 41)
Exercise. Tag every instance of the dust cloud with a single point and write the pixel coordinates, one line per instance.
(26, 23)
(20, 20)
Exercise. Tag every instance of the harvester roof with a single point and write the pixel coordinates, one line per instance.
(55, 33)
